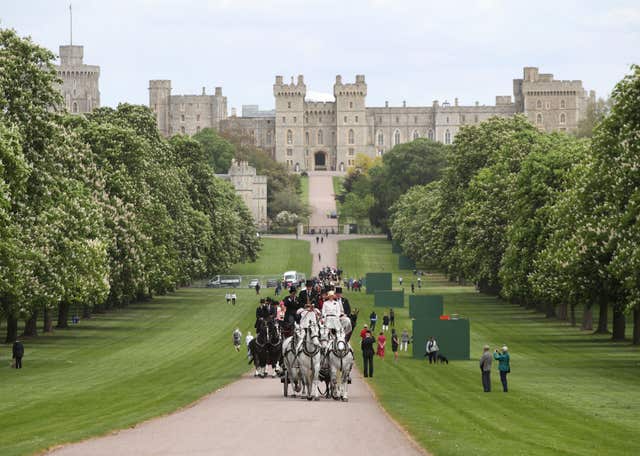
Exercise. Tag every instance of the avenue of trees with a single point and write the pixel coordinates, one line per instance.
(98, 211)
(549, 221)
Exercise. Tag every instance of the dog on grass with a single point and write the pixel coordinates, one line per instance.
(443, 359)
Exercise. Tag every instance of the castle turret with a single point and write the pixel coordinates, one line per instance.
(351, 126)
(289, 122)
(80, 82)
(159, 101)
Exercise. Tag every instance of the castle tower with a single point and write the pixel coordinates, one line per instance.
(80, 83)
(159, 102)
(219, 108)
(351, 125)
(289, 122)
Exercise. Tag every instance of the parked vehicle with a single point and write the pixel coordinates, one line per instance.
(272, 283)
(293, 278)
(224, 282)
(254, 282)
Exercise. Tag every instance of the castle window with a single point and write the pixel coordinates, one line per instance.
(74, 107)
(198, 117)
(345, 119)
(563, 118)
(182, 130)
(380, 138)
(356, 119)
(289, 137)
(351, 137)
(430, 135)
(447, 137)
(548, 105)
(269, 138)
(284, 119)
(319, 119)
(182, 117)
(563, 104)
(333, 137)
(396, 138)
(295, 119)
(397, 119)
(289, 152)
(351, 151)
(379, 120)
(415, 119)
(181, 106)
(447, 119)
(351, 105)
(539, 119)
(462, 119)
(289, 105)
(416, 135)
(539, 104)
(198, 129)
(475, 118)
(320, 137)
(306, 138)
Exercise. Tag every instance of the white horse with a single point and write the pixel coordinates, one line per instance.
(293, 374)
(340, 357)
(309, 358)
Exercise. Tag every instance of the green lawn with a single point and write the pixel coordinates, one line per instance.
(570, 392)
(126, 366)
(337, 189)
(304, 183)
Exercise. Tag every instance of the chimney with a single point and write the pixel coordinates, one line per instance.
(338, 79)
(455, 101)
(404, 103)
(218, 91)
(386, 104)
(203, 91)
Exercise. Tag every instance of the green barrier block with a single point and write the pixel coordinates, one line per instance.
(452, 337)
(404, 262)
(378, 281)
(423, 307)
(395, 247)
(388, 299)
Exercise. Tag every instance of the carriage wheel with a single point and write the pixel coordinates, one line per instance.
(285, 383)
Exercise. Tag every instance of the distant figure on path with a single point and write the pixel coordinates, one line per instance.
(278, 289)
(392, 318)
(404, 340)
(319, 257)
(237, 337)
(413, 288)
(385, 322)
(317, 240)
(373, 318)
(233, 297)
(18, 353)
(503, 365)
(394, 344)
(257, 288)
(321, 240)
(419, 282)
(382, 341)
(485, 368)
(432, 350)
(367, 354)
(400, 280)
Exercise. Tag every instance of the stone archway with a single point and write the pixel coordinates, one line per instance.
(320, 161)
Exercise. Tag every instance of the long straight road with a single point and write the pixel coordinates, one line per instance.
(251, 416)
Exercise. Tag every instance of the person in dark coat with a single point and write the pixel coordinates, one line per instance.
(262, 312)
(367, 354)
(346, 306)
(485, 368)
(392, 318)
(308, 292)
(291, 306)
(373, 318)
(18, 353)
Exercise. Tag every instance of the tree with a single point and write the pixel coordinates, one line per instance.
(218, 151)
(596, 111)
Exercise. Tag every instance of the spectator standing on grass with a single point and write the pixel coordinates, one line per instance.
(413, 288)
(18, 353)
(247, 341)
(364, 332)
(257, 288)
(394, 344)
(404, 340)
(382, 341)
(419, 282)
(373, 318)
(503, 365)
(367, 353)
(228, 298)
(432, 350)
(392, 318)
(233, 297)
(237, 337)
(400, 281)
(385, 322)
(485, 368)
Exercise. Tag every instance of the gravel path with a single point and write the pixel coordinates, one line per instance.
(251, 416)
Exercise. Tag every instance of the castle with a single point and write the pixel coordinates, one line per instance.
(80, 83)
(251, 187)
(326, 135)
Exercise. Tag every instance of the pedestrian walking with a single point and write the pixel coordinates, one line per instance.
(373, 318)
(18, 352)
(367, 353)
(400, 281)
(485, 368)
(392, 318)
(382, 341)
(319, 257)
(385, 322)
(257, 288)
(394, 345)
(317, 240)
(413, 288)
(237, 337)
(419, 282)
(321, 240)
(432, 350)
(404, 340)
(504, 365)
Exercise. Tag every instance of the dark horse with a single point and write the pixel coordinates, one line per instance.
(266, 347)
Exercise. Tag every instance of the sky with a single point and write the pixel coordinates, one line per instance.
(418, 51)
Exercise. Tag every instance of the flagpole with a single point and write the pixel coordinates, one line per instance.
(70, 25)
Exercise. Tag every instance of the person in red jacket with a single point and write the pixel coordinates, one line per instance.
(364, 331)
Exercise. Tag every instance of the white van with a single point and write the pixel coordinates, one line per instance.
(292, 278)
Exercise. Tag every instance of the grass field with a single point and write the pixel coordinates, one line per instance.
(126, 366)
(304, 183)
(571, 393)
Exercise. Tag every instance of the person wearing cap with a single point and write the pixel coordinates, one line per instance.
(17, 351)
(503, 365)
(308, 294)
(291, 306)
(485, 368)
(345, 319)
(331, 313)
(367, 353)
(262, 312)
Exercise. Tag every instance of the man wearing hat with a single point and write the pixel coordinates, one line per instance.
(291, 306)
(307, 295)
(262, 312)
(345, 318)
(485, 368)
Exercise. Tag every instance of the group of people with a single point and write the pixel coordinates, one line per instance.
(367, 344)
(388, 320)
(504, 366)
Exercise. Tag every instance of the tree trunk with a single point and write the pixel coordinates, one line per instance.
(603, 318)
(573, 314)
(47, 324)
(562, 311)
(550, 310)
(86, 312)
(63, 315)
(636, 325)
(12, 329)
(31, 328)
(587, 318)
(619, 323)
